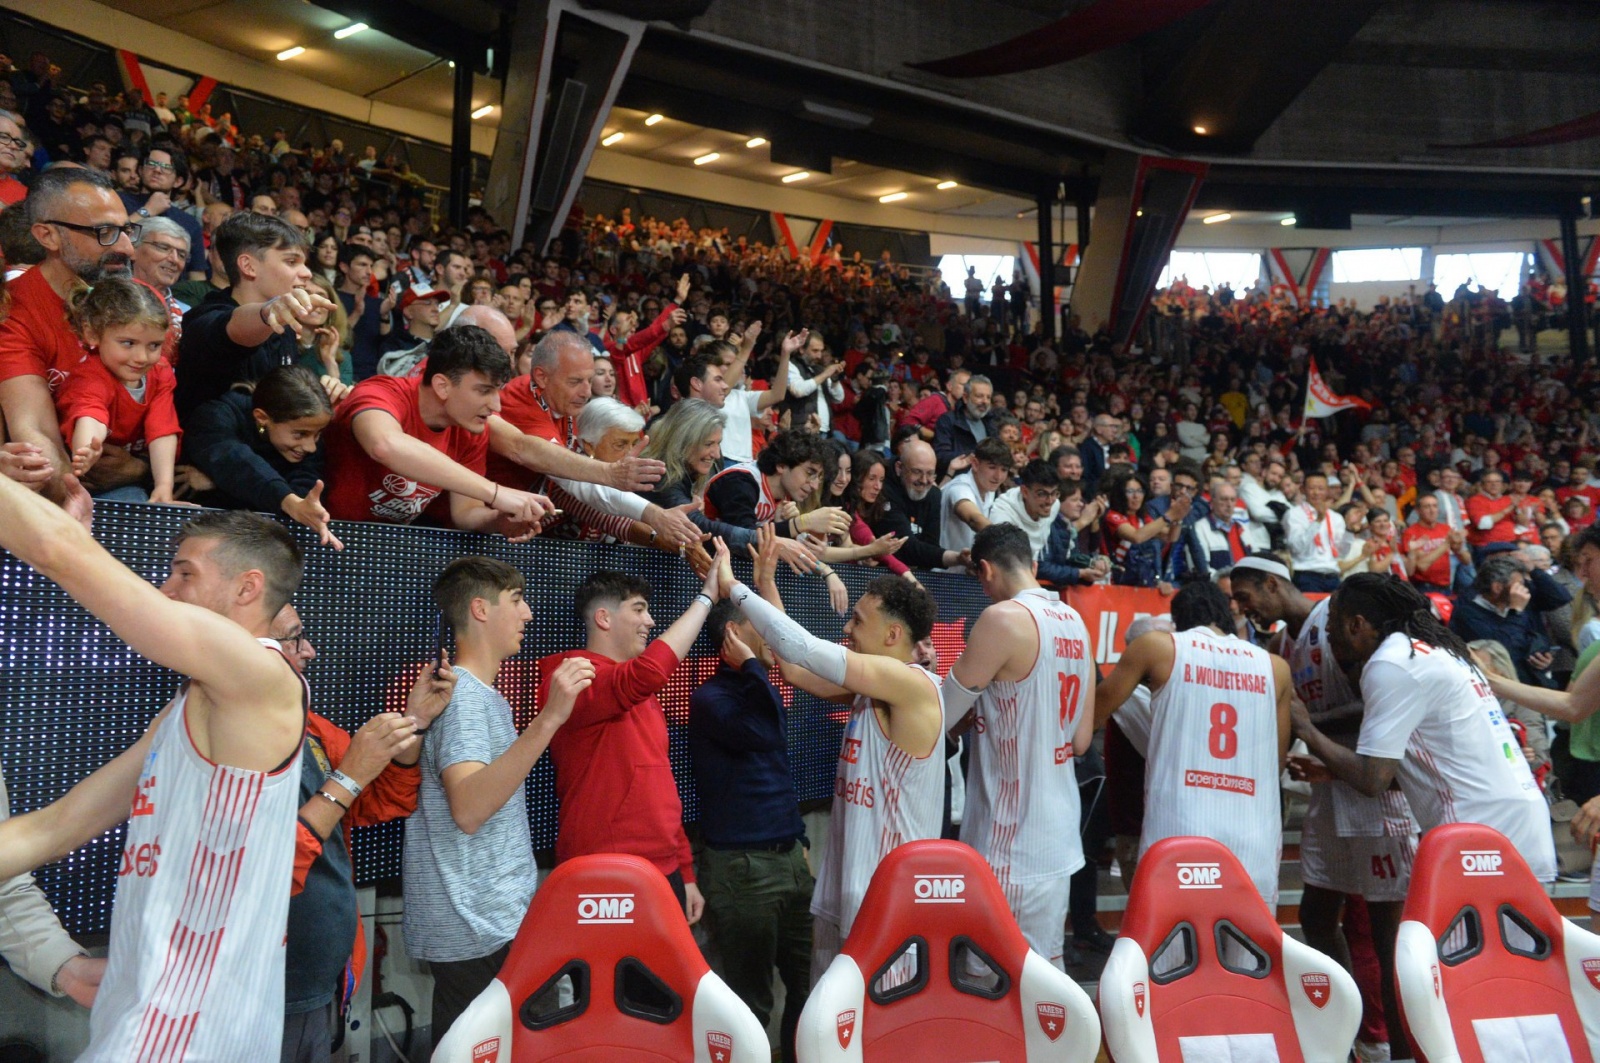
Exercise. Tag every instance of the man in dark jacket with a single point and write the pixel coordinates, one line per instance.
(1508, 596)
(1068, 558)
(912, 497)
(959, 431)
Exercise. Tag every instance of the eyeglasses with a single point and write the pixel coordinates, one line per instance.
(291, 643)
(1184, 489)
(154, 165)
(166, 250)
(106, 234)
(9, 141)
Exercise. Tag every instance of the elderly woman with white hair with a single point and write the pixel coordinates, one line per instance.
(607, 430)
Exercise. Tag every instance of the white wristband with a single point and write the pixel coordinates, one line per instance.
(337, 776)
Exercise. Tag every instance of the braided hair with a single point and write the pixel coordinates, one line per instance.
(1390, 604)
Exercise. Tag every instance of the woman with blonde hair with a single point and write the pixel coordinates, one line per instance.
(325, 347)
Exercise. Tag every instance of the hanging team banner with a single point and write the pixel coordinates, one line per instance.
(1107, 612)
(1322, 402)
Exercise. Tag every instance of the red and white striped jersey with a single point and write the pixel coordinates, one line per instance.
(1212, 765)
(766, 506)
(883, 797)
(1021, 785)
(195, 967)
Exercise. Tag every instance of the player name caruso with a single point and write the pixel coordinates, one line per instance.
(1222, 679)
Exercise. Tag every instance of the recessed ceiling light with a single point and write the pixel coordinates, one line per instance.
(481, 111)
(653, 119)
(710, 156)
(612, 139)
(892, 197)
(290, 53)
(1200, 130)
(452, 64)
(945, 185)
(800, 175)
(1212, 219)
(1138, 214)
(1287, 221)
(350, 30)
(755, 142)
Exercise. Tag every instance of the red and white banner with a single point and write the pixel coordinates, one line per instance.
(1322, 402)
(1298, 270)
(1107, 611)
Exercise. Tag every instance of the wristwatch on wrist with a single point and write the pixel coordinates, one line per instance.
(143, 212)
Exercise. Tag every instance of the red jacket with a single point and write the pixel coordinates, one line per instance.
(628, 358)
(392, 795)
(613, 776)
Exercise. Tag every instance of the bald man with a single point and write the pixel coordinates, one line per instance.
(912, 508)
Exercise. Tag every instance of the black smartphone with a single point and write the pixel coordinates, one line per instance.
(441, 637)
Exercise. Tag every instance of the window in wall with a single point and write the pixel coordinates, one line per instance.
(1501, 270)
(1377, 264)
(1212, 269)
(953, 268)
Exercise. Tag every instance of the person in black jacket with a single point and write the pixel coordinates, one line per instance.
(258, 446)
(959, 431)
(1508, 596)
(911, 509)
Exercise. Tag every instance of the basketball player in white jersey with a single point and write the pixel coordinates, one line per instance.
(889, 788)
(1219, 731)
(1350, 843)
(1023, 693)
(1431, 720)
(196, 962)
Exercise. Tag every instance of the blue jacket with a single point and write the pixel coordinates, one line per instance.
(1521, 633)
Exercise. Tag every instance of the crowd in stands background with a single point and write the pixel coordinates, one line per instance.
(195, 313)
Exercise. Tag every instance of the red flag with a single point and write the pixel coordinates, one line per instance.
(1322, 402)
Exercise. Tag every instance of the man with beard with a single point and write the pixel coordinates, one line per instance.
(84, 230)
(912, 502)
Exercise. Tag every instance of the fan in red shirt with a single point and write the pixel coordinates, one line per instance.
(613, 775)
(398, 443)
(629, 346)
(1490, 512)
(38, 348)
(122, 394)
(1427, 546)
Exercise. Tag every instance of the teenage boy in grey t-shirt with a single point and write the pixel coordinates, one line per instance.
(469, 870)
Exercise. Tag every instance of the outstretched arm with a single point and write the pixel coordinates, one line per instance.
(88, 810)
(211, 649)
(1140, 663)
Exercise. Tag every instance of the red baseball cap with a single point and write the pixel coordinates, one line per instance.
(413, 294)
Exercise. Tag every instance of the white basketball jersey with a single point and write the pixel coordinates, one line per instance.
(1321, 684)
(1459, 760)
(1212, 765)
(1021, 785)
(883, 797)
(195, 967)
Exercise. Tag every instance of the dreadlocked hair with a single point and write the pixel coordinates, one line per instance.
(1390, 604)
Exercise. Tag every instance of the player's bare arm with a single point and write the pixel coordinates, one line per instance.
(1148, 660)
(1368, 775)
(247, 702)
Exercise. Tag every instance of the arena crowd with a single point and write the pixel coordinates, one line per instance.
(197, 315)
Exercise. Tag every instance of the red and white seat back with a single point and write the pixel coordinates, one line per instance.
(935, 968)
(1488, 970)
(604, 969)
(1202, 971)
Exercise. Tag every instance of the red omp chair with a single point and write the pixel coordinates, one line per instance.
(1202, 971)
(604, 968)
(935, 968)
(1488, 970)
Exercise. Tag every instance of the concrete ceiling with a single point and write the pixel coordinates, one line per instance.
(1354, 131)
(679, 143)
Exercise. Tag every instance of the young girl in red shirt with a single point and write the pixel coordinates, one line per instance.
(122, 395)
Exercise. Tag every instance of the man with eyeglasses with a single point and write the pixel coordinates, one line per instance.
(13, 159)
(86, 236)
(376, 766)
(159, 174)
